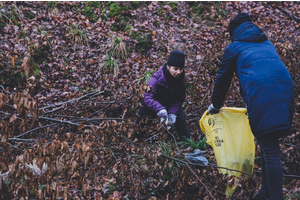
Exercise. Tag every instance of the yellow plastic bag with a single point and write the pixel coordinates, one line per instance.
(229, 133)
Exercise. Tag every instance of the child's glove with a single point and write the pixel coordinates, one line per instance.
(172, 118)
(163, 114)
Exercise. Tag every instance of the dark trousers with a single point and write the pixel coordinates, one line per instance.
(272, 172)
(180, 124)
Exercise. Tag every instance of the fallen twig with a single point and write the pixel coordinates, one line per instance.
(290, 175)
(20, 139)
(110, 102)
(12, 146)
(173, 138)
(152, 137)
(53, 110)
(67, 122)
(97, 119)
(98, 111)
(215, 166)
(291, 14)
(5, 69)
(72, 100)
(292, 145)
(187, 164)
(40, 127)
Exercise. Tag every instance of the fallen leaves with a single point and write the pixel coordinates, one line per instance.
(3, 101)
(98, 159)
(27, 67)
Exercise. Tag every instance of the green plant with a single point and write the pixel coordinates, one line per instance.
(36, 72)
(135, 4)
(95, 4)
(292, 196)
(76, 34)
(33, 191)
(117, 48)
(159, 13)
(66, 60)
(191, 143)
(41, 29)
(109, 63)
(51, 3)
(112, 187)
(173, 5)
(171, 168)
(9, 14)
(120, 24)
(128, 29)
(198, 9)
(28, 14)
(146, 77)
(115, 10)
(89, 13)
(144, 41)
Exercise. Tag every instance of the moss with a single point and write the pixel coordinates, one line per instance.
(173, 5)
(29, 14)
(94, 4)
(222, 13)
(40, 55)
(50, 4)
(159, 12)
(135, 4)
(114, 27)
(115, 10)
(198, 9)
(162, 3)
(108, 3)
(192, 3)
(88, 12)
(121, 24)
(144, 42)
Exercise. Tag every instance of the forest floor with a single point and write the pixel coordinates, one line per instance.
(72, 77)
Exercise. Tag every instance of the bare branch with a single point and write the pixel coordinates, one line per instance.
(73, 100)
(294, 17)
(40, 127)
(187, 164)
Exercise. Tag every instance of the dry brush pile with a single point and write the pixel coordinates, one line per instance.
(73, 75)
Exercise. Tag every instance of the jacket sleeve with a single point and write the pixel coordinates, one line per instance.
(225, 74)
(174, 108)
(150, 100)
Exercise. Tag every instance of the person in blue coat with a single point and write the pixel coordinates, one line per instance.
(168, 91)
(268, 91)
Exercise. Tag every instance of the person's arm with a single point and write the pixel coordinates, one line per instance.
(150, 100)
(174, 108)
(225, 74)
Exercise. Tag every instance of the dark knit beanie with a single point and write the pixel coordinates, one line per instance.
(238, 20)
(176, 59)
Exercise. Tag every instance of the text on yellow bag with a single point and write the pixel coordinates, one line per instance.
(229, 133)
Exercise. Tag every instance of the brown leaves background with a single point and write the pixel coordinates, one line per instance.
(66, 126)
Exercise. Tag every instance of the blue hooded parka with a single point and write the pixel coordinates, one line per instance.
(265, 84)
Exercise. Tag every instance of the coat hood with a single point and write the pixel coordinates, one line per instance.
(248, 32)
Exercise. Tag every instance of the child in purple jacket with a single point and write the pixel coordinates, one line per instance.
(167, 95)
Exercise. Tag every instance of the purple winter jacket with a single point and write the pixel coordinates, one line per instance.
(164, 96)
